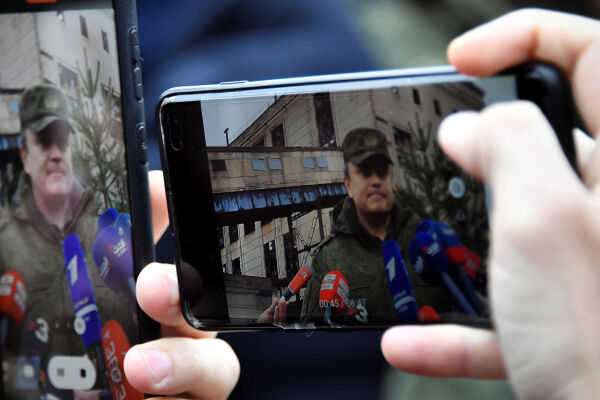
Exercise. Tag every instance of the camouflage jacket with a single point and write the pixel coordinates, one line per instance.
(32, 246)
(358, 255)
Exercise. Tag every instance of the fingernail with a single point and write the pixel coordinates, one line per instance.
(158, 364)
(170, 284)
(458, 127)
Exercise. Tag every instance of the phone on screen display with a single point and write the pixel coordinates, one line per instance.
(74, 211)
(326, 203)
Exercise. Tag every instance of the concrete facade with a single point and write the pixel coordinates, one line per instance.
(49, 47)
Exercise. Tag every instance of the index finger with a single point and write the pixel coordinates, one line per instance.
(158, 202)
(568, 41)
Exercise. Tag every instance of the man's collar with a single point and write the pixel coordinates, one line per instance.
(25, 209)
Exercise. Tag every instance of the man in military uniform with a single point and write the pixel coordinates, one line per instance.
(49, 204)
(361, 223)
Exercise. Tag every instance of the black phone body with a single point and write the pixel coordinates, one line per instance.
(75, 223)
(263, 183)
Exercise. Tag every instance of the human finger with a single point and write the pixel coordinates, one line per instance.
(588, 156)
(267, 316)
(280, 312)
(569, 41)
(158, 203)
(157, 293)
(512, 147)
(444, 351)
(198, 368)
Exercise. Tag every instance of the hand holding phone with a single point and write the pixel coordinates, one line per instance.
(541, 298)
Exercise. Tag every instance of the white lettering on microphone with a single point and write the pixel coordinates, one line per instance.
(115, 371)
(433, 249)
(419, 265)
(119, 248)
(20, 296)
(104, 267)
(6, 284)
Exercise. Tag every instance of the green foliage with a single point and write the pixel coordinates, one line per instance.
(98, 154)
(427, 172)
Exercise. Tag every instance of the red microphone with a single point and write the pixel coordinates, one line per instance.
(302, 276)
(472, 263)
(13, 297)
(428, 314)
(334, 295)
(115, 345)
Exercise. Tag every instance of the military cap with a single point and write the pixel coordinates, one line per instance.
(41, 105)
(362, 143)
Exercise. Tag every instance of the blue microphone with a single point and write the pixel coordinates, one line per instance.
(456, 255)
(401, 288)
(107, 218)
(122, 225)
(430, 262)
(87, 321)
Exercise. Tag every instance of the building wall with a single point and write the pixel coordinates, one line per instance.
(241, 172)
(35, 48)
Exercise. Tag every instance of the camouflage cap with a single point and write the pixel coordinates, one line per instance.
(40, 105)
(362, 143)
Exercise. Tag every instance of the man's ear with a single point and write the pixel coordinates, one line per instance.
(347, 184)
(23, 155)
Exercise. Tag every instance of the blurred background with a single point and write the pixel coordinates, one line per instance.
(192, 42)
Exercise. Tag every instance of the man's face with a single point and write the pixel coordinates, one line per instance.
(370, 186)
(48, 163)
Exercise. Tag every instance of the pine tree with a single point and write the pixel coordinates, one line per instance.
(99, 152)
(427, 173)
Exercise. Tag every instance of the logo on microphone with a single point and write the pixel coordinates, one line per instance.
(119, 249)
(433, 249)
(104, 268)
(419, 265)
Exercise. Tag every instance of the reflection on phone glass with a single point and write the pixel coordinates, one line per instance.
(333, 204)
(65, 231)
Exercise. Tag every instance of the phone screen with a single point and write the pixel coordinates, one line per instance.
(66, 296)
(328, 204)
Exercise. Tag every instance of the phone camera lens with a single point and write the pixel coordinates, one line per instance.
(175, 131)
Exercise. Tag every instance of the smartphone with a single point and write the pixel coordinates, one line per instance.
(326, 203)
(74, 210)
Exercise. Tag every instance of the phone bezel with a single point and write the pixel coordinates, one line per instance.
(133, 126)
(550, 91)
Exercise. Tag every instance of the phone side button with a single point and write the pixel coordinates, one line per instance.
(137, 82)
(142, 144)
(232, 82)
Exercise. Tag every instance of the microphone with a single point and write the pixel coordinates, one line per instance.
(457, 256)
(87, 320)
(114, 261)
(431, 264)
(107, 218)
(472, 263)
(302, 276)
(399, 283)
(428, 314)
(115, 345)
(123, 227)
(13, 297)
(333, 295)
